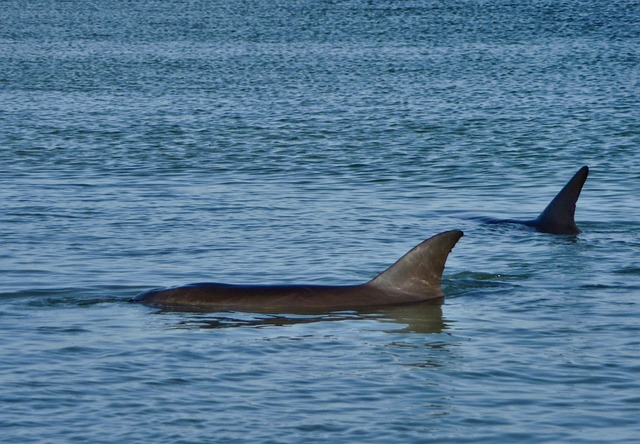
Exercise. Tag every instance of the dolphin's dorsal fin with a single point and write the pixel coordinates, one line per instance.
(421, 268)
(559, 215)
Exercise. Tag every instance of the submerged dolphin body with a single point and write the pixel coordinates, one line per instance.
(415, 277)
(558, 217)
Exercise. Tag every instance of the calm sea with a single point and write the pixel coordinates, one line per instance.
(153, 143)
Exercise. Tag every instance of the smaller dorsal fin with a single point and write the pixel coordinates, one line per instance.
(559, 215)
(421, 268)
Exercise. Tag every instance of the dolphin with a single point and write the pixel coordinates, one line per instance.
(415, 277)
(558, 216)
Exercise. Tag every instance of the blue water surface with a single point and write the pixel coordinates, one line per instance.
(156, 143)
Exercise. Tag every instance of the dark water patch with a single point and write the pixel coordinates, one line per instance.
(477, 283)
(629, 270)
(75, 330)
(70, 301)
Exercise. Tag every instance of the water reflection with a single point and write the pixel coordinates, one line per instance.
(418, 318)
(422, 318)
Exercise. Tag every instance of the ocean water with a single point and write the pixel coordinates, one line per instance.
(154, 143)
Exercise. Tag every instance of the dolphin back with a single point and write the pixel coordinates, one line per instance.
(559, 216)
(420, 270)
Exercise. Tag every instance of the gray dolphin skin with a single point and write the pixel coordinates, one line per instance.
(415, 277)
(558, 216)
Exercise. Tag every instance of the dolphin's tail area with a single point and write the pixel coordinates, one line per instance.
(559, 215)
(420, 270)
